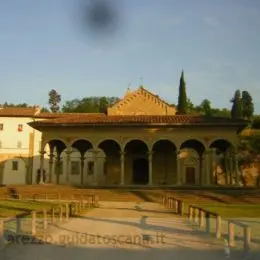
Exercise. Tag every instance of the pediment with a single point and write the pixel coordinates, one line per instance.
(141, 102)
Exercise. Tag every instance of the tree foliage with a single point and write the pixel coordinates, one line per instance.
(45, 110)
(54, 101)
(206, 107)
(182, 99)
(236, 110)
(247, 105)
(89, 105)
(16, 105)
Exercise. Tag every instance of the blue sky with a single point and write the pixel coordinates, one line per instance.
(44, 45)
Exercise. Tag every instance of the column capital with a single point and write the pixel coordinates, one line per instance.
(51, 155)
(150, 152)
(68, 151)
(42, 152)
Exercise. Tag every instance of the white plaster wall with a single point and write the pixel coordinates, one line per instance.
(14, 177)
(10, 136)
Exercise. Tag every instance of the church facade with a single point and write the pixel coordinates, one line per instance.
(140, 141)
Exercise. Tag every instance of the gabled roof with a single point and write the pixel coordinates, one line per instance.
(156, 96)
(141, 89)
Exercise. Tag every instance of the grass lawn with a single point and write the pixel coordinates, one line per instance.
(233, 211)
(10, 208)
(248, 214)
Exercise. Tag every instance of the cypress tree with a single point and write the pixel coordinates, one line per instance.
(247, 105)
(182, 99)
(236, 110)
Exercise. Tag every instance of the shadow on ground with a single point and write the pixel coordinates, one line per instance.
(142, 195)
(33, 248)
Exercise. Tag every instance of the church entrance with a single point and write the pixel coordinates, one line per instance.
(190, 175)
(140, 171)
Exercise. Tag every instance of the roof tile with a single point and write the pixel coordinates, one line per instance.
(18, 111)
(101, 119)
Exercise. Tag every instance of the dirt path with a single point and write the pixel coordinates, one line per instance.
(115, 230)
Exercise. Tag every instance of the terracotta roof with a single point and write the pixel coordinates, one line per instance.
(18, 111)
(61, 115)
(85, 119)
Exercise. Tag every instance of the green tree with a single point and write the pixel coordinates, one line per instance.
(236, 110)
(182, 99)
(89, 105)
(24, 105)
(54, 101)
(190, 106)
(247, 105)
(224, 112)
(206, 107)
(45, 110)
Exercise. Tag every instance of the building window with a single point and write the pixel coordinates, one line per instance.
(19, 144)
(20, 128)
(1, 127)
(75, 168)
(90, 168)
(15, 165)
(0, 144)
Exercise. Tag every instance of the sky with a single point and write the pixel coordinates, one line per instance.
(46, 45)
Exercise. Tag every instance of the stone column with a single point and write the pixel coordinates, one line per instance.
(122, 160)
(51, 160)
(82, 164)
(178, 168)
(236, 169)
(226, 167)
(212, 165)
(57, 168)
(68, 170)
(206, 179)
(150, 160)
(231, 163)
(42, 152)
(95, 152)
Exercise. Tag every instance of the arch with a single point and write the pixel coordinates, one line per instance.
(221, 145)
(54, 142)
(164, 161)
(140, 171)
(114, 140)
(82, 145)
(110, 147)
(193, 144)
(162, 142)
(136, 146)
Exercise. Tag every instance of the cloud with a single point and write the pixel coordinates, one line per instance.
(210, 21)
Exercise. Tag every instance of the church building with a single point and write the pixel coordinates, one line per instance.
(140, 141)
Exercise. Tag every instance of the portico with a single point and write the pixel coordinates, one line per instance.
(139, 145)
(136, 157)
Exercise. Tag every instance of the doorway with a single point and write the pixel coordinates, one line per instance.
(190, 175)
(140, 171)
